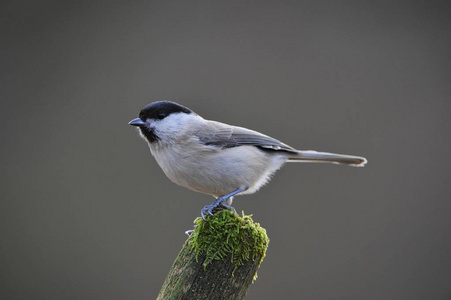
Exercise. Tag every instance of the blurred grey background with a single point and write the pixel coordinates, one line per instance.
(86, 213)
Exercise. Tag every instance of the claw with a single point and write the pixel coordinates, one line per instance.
(220, 202)
(229, 207)
(208, 209)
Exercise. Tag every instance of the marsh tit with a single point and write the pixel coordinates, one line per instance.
(215, 158)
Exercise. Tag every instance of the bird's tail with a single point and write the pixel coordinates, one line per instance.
(324, 157)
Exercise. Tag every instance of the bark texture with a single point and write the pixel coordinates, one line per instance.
(218, 261)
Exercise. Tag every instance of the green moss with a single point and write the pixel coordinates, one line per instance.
(226, 235)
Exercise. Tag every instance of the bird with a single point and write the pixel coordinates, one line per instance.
(215, 158)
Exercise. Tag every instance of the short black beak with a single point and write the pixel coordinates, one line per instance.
(136, 122)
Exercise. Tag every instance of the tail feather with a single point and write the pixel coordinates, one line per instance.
(324, 157)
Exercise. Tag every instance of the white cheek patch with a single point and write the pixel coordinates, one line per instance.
(173, 125)
(173, 121)
(150, 123)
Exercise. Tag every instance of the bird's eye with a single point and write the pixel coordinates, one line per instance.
(161, 116)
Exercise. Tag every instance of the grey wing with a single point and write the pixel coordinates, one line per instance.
(226, 136)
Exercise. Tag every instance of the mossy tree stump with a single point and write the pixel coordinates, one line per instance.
(219, 260)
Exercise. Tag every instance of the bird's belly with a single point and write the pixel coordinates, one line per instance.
(221, 171)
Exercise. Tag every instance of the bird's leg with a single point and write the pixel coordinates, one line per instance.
(220, 202)
(227, 204)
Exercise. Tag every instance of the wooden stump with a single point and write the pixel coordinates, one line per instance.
(219, 260)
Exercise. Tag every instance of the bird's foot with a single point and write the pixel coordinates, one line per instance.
(229, 207)
(208, 209)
